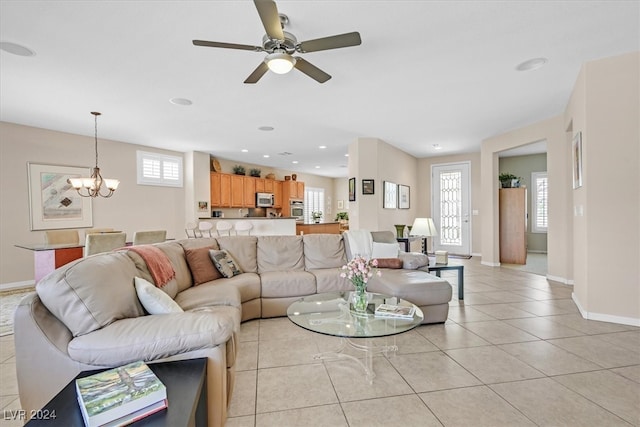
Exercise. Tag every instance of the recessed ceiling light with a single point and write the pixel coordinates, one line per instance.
(531, 64)
(266, 128)
(180, 101)
(266, 156)
(294, 162)
(322, 147)
(244, 150)
(437, 146)
(317, 167)
(346, 155)
(16, 49)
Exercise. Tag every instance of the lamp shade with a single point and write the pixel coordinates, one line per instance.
(423, 227)
(280, 62)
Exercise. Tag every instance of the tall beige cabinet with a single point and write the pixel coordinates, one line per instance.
(513, 225)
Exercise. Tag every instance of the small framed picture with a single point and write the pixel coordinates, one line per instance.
(352, 189)
(403, 196)
(390, 195)
(368, 186)
(340, 204)
(577, 160)
(203, 207)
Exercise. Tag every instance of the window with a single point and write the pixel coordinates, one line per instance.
(313, 202)
(539, 202)
(159, 169)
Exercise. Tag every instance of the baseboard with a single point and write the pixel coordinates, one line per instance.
(562, 280)
(600, 317)
(490, 264)
(478, 254)
(17, 285)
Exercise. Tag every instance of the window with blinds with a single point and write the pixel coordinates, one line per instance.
(539, 203)
(159, 169)
(313, 202)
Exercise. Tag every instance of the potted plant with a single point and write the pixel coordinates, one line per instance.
(239, 170)
(255, 172)
(342, 216)
(316, 215)
(508, 180)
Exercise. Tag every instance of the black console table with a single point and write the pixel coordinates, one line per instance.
(437, 268)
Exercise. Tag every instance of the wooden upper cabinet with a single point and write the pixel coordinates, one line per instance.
(237, 191)
(225, 190)
(260, 185)
(268, 185)
(249, 189)
(277, 193)
(214, 188)
(300, 189)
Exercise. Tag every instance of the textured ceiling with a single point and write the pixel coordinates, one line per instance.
(427, 72)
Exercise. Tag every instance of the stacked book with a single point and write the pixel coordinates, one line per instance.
(120, 396)
(395, 311)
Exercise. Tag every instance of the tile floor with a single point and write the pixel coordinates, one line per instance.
(515, 352)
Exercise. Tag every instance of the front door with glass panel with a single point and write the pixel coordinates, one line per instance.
(450, 208)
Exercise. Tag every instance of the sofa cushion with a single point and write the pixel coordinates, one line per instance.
(175, 252)
(383, 237)
(385, 250)
(170, 288)
(248, 284)
(225, 263)
(92, 292)
(243, 249)
(329, 280)
(154, 300)
(413, 285)
(279, 284)
(199, 243)
(208, 295)
(201, 266)
(413, 260)
(280, 253)
(323, 251)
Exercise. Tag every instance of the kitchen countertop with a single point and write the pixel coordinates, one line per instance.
(248, 217)
(317, 223)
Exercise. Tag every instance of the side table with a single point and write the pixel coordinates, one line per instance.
(186, 393)
(437, 268)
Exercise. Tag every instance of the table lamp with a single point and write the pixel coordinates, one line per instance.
(424, 227)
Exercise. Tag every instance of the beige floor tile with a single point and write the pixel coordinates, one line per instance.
(246, 421)
(5, 401)
(629, 340)
(7, 348)
(465, 313)
(281, 328)
(478, 287)
(544, 328)
(541, 308)
(249, 331)
(535, 294)
(432, 371)
(274, 353)
(505, 296)
(8, 379)
(293, 387)
(629, 372)
(350, 381)
(413, 342)
(566, 305)
(247, 358)
(492, 365)
(548, 358)
(243, 400)
(503, 311)
(317, 416)
(476, 298)
(499, 332)
(549, 403)
(598, 351)
(590, 327)
(389, 411)
(450, 336)
(473, 407)
(611, 391)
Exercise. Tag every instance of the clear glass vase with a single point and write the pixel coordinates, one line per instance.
(360, 300)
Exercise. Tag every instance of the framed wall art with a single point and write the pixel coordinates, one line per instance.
(577, 160)
(390, 195)
(403, 196)
(368, 186)
(53, 202)
(352, 189)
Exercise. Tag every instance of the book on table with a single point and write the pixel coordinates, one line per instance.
(121, 395)
(395, 311)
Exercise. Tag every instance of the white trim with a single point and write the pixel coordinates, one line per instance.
(560, 279)
(476, 254)
(490, 264)
(17, 285)
(163, 159)
(600, 317)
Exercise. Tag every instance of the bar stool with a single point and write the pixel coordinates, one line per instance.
(224, 228)
(192, 230)
(205, 228)
(243, 227)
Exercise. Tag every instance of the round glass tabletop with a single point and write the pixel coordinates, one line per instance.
(331, 313)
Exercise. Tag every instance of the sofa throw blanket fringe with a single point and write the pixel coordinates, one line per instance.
(360, 242)
(158, 263)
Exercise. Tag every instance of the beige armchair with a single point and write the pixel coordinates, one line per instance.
(97, 243)
(55, 237)
(149, 237)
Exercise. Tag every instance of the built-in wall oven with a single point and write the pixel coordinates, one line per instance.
(296, 207)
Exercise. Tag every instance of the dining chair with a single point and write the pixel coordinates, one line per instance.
(243, 227)
(205, 228)
(54, 237)
(97, 230)
(149, 237)
(192, 231)
(97, 243)
(224, 228)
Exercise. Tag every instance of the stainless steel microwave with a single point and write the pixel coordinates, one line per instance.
(264, 200)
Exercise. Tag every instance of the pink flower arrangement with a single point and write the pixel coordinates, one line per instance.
(359, 270)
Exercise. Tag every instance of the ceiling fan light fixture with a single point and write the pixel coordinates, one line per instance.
(280, 62)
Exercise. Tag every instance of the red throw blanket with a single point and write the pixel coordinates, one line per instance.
(158, 263)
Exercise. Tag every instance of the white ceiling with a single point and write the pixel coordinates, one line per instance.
(427, 72)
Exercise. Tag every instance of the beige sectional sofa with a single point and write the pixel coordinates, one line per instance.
(87, 315)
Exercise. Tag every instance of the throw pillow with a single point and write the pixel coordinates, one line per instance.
(389, 262)
(413, 260)
(154, 300)
(201, 265)
(385, 250)
(225, 263)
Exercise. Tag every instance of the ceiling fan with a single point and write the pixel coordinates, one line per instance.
(281, 45)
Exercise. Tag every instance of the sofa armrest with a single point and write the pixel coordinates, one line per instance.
(155, 337)
(413, 260)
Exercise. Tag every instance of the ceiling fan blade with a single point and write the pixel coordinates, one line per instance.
(227, 45)
(257, 73)
(331, 42)
(268, 12)
(311, 70)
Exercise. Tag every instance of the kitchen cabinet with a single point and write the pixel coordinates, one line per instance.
(260, 187)
(513, 225)
(268, 185)
(322, 228)
(293, 190)
(277, 194)
(249, 191)
(237, 191)
(214, 188)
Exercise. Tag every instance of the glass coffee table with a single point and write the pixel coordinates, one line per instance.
(332, 314)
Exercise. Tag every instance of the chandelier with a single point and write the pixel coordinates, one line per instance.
(95, 184)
